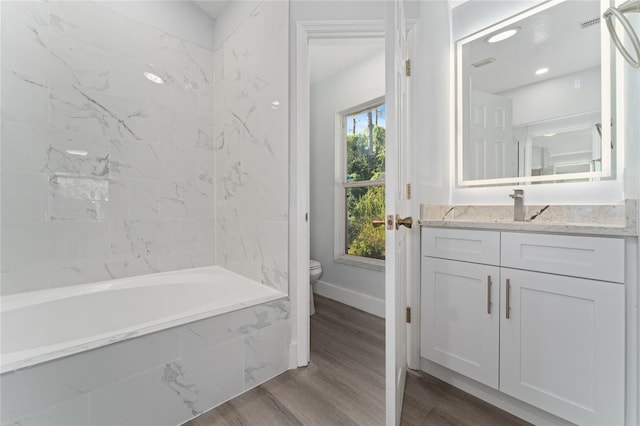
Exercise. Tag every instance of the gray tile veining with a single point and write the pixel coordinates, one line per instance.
(251, 143)
(114, 173)
(166, 377)
(119, 178)
(619, 219)
(70, 412)
(261, 364)
(152, 162)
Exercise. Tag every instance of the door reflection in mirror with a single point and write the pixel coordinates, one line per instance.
(516, 123)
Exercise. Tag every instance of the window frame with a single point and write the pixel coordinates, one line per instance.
(341, 186)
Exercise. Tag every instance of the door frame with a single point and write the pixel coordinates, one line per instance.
(299, 162)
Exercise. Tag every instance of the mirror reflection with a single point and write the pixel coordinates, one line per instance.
(530, 99)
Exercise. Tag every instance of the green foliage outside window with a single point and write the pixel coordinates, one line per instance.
(366, 162)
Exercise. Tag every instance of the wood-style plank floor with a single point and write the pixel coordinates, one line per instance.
(344, 384)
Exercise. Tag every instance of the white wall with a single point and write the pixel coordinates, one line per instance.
(308, 11)
(335, 10)
(632, 112)
(431, 120)
(556, 97)
(350, 87)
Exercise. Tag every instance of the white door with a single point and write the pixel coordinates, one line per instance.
(492, 150)
(562, 345)
(397, 206)
(461, 317)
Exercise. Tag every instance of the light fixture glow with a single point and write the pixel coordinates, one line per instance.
(77, 152)
(275, 105)
(503, 35)
(548, 135)
(152, 77)
(541, 71)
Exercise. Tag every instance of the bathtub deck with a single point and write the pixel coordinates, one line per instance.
(344, 384)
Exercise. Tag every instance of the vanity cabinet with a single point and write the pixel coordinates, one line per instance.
(540, 318)
(460, 305)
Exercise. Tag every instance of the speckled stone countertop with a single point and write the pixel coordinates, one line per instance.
(619, 219)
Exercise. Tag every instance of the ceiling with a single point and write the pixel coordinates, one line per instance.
(212, 8)
(553, 38)
(456, 3)
(329, 56)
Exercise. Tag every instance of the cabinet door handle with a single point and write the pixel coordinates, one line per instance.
(489, 294)
(508, 307)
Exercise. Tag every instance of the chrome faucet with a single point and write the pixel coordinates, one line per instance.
(518, 205)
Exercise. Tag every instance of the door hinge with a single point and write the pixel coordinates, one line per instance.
(408, 314)
(407, 67)
(408, 191)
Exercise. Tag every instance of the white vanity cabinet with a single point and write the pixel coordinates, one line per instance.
(460, 302)
(460, 317)
(548, 330)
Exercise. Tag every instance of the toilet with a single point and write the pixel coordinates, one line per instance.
(315, 270)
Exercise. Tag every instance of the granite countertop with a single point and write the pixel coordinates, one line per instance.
(614, 220)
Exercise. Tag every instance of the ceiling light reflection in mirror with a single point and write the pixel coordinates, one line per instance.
(503, 35)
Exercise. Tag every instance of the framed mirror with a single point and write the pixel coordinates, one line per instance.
(533, 98)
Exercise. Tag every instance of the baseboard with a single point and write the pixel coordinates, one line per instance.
(492, 396)
(293, 355)
(357, 300)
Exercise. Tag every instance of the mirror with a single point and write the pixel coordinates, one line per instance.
(532, 96)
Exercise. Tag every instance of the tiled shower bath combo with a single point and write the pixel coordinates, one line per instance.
(109, 176)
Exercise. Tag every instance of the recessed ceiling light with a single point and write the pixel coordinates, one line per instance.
(548, 135)
(503, 35)
(152, 77)
(541, 71)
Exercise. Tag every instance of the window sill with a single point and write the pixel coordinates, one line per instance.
(362, 262)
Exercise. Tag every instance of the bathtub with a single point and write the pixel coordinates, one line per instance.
(152, 350)
(44, 325)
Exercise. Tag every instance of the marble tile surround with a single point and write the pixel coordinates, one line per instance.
(618, 219)
(104, 174)
(107, 175)
(164, 378)
(251, 142)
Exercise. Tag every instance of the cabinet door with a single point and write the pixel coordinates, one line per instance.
(460, 317)
(562, 346)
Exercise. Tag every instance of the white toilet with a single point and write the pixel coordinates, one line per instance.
(315, 271)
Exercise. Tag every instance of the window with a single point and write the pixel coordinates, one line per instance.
(360, 192)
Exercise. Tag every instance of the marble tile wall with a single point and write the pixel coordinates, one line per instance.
(164, 378)
(104, 173)
(251, 142)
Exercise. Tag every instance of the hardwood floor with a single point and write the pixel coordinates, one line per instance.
(344, 384)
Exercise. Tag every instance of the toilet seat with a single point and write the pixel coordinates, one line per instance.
(314, 264)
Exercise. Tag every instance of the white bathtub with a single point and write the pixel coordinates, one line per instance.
(44, 325)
